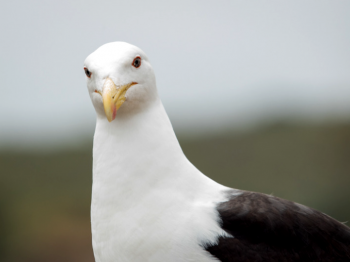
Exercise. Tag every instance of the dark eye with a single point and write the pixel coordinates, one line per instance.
(87, 72)
(137, 62)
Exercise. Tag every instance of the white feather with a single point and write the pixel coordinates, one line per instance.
(149, 203)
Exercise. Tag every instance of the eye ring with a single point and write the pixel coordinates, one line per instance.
(87, 72)
(136, 62)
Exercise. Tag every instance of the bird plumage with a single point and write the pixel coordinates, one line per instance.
(149, 203)
(268, 228)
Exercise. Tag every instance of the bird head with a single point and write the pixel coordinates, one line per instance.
(120, 80)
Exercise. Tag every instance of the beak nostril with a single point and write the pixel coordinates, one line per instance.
(113, 97)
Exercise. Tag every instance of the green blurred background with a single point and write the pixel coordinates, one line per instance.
(45, 197)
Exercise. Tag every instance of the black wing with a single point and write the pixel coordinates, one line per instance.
(267, 228)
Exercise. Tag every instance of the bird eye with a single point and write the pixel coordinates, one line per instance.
(87, 72)
(137, 62)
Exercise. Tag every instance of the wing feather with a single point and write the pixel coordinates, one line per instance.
(268, 228)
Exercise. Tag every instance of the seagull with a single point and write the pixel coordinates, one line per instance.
(150, 204)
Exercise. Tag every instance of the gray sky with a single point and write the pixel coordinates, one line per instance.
(218, 63)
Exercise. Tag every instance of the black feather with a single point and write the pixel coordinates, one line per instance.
(267, 228)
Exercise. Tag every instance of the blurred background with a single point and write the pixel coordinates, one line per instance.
(258, 93)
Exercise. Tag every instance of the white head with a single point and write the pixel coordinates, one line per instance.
(119, 74)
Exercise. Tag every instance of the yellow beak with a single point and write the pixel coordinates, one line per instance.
(113, 97)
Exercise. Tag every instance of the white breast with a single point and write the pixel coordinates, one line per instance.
(149, 203)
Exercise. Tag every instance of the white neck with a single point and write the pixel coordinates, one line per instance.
(143, 183)
(125, 146)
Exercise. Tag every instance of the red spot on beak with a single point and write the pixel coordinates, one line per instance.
(114, 112)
